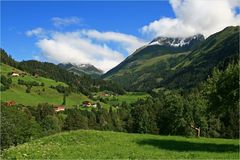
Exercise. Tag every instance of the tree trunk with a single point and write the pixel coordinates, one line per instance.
(198, 131)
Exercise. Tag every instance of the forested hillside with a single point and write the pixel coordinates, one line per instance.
(218, 50)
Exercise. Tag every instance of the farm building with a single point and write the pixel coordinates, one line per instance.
(105, 94)
(89, 104)
(15, 74)
(59, 108)
(10, 103)
(86, 104)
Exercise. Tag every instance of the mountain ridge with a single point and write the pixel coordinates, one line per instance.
(177, 41)
(155, 66)
(81, 69)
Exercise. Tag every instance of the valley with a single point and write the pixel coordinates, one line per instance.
(174, 98)
(120, 80)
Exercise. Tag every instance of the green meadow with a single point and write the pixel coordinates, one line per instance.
(43, 94)
(89, 144)
(128, 97)
(38, 94)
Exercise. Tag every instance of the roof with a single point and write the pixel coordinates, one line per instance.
(61, 106)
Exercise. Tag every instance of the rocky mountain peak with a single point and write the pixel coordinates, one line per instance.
(177, 41)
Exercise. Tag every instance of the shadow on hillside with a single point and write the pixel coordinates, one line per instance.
(189, 146)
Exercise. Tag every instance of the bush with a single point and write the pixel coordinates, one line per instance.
(17, 126)
(6, 82)
(75, 120)
(28, 90)
(50, 125)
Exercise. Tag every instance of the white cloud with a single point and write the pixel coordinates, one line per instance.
(129, 42)
(195, 16)
(38, 32)
(58, 22)
(87, 46)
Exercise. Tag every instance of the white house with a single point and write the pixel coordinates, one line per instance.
(14, 74)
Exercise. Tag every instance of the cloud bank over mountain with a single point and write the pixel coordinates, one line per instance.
(85, 46)
(195, 16)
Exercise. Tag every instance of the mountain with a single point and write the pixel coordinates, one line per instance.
(176, 62)
(82, 69)
(148, 65)
(218, 50)
(178, 41)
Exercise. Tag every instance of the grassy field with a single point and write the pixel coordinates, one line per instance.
(83, 144)
(128, 97)
(43, 94)
(39, 94)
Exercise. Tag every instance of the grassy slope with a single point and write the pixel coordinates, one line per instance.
(104, 145)
(18, 92)
(135, 73)
(129, 97)
(142, 64)
(143, 72)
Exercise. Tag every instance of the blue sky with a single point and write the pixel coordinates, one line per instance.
(124, 17)
(102, 33)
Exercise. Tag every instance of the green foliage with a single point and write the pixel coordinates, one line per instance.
(195, 113)
(111, 86)
(7, 59)
(28, 90)
(50, 125)
(29, 84)
(140, 120)
(75, 120)
(32, 83)
(17, 126)
(6, 82)
(222, 93)
(64, 99)
(171, 120)
(42, 111)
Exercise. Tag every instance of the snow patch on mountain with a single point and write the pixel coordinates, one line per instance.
(175, 42)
